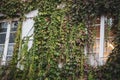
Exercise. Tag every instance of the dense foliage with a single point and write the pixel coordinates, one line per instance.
(16, 8)
(59, 38)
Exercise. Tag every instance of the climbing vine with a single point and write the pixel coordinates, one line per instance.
(61, 31)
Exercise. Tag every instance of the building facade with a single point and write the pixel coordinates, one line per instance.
(8, 30)
(100, 50)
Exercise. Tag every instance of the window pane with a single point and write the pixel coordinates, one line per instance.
(12, 38)
(10, 49)
(2, 38)
(3, 27)
(14, 26)
(8, 58)
(1, 50)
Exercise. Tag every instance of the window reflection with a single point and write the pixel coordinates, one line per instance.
(14, 26)
(93, 56)
(8, 58)
(10, 49)
(3, 30)
(1, 50)
(3, 27)
(5, 34)
(12, 38)
(2, 38)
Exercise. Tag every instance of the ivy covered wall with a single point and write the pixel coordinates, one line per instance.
(59, 38)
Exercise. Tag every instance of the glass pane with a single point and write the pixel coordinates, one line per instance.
(12, 38)
(1, 50)
(10, 49)
(8, 58)
(2, 38)
(109, 46)
(96, 46)
(3, 27)
(14, 26)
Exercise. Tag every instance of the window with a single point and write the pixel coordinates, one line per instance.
(7, 40)
(103, 44)
(3, 31)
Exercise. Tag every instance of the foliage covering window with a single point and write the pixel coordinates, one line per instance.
(59, 40)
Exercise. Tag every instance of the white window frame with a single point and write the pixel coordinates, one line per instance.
(5, 51)
(6, 44)
(100, 59)
(102, 36)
